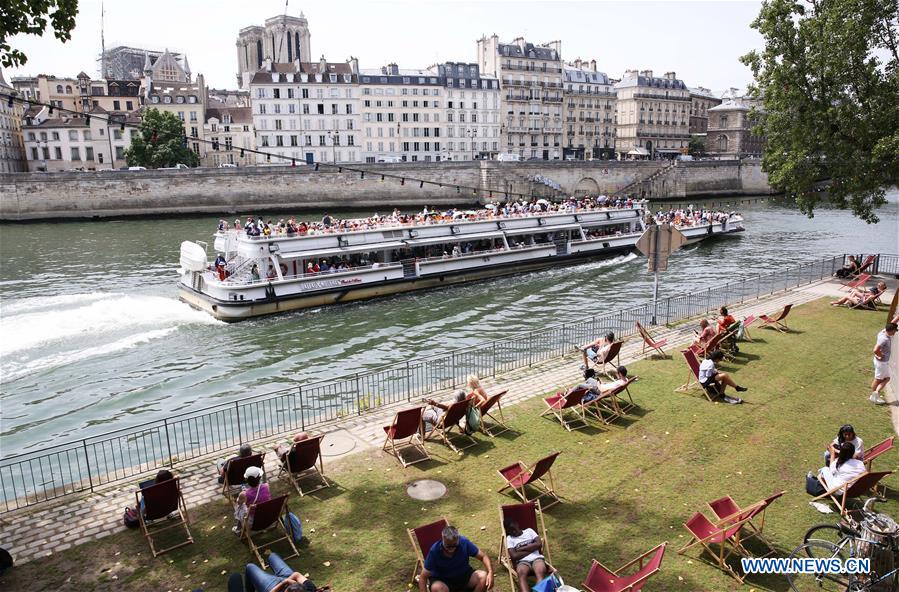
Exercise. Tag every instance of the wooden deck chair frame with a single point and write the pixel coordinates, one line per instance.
(568, 403)
(247, 531)
(868, 262)
(693, 383)
(747, 322)
(777, 322)
(612, 403)
(539, 527)
(449, 421)
(649, 342)
(727, 511)
(414, 440)
(150, 526)
(638, 583)
(299, 463)
(533, 477)
(858, 280)
(421, 553)
(871, 453)
(613, 353)
(236, 468)
(729, 543)
(869, 302)
(487, 409)
(858, 487)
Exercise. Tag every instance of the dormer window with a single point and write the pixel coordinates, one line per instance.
(154, 99)
(179, 99)
(333, 77)
(167, 99)
(191, 99)
(347, 78)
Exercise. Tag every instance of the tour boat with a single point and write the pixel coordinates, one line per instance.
(269, 274)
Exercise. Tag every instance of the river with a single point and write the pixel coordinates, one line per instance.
(94, 338)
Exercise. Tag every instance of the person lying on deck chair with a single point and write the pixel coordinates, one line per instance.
(849, 269)
(710, 377)
(446, 566)
(706, 333)
(597, 389)
(725, 320)
(525, 551)
(598, 348)
(282, 449)
(857, 296)
(283, 580)
(435, 409)
(244, 451)
(842, 469)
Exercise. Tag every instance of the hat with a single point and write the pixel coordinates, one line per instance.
(252, 472)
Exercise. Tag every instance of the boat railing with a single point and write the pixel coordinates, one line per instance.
(307, 275)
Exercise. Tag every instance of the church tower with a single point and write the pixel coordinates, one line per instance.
(283, 39)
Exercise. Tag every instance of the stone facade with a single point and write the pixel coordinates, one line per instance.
(230, 131)
(531, 99)
(701, 100)
(730, 130)
(12, 150)
(589, 112)
(473, 121)
(653, 115)
(282, 40)
(187, 101)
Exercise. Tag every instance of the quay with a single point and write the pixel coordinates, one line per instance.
(647, 472)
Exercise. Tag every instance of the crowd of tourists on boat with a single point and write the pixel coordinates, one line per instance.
(691, 217)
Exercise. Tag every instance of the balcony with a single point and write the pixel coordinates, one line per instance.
(530, 68)
(659, 97)
(552, 99)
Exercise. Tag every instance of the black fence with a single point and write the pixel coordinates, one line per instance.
(50, 473)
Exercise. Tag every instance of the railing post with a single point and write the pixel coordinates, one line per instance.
(168, 442)
(302, 410)
(453, 367)
(237, 419)
(408, 381)
(87, 461)
(494, 358)
(668, 310)
(358, 396)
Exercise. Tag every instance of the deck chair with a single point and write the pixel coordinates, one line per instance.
(299, 463)
(704, 532)
(527, 515)
(487, 409)
(855, 488)
(747, 322)
(602, 579)
(710, 391)
(565, 405)
(727, 511)
(423, 538)
(869, 302)
(874, 452)
(777, 322)
(269, 515)
(869, 260)
(612, 403)
(449, 421)
(860, 280)
(651, 343)
(613, 353)
(233, 477)
(519, 477)
(160, 501)
(406, 426)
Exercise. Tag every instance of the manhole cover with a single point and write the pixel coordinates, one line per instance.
(426, 490)
(336, 444)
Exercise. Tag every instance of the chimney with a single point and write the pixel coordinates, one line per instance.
(519, 41)
(577, 63)
(323, 65)
(670, 75)
(593, 65)
(394, 69)
(384, 70)
(354, 64)
(646, 73)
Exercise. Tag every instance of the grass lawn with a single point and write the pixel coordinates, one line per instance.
(626, 487)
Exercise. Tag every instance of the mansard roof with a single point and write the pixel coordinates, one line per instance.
(530, 50)
(238, 114)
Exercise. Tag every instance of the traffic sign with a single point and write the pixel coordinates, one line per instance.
(658, 242)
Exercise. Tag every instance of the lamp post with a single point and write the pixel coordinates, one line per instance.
(335, 138)
(472, 134)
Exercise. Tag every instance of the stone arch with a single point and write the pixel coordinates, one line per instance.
(587, 186)
(722, 143)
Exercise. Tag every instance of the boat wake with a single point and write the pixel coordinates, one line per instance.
(48, 332)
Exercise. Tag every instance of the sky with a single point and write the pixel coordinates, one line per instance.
(700, 40)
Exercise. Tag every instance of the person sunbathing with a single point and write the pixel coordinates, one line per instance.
(431, 415)
(599, 348)
(282, 449)
(526, 552)
(725, 320)
(476, 390)
(848, 270)
(706, 333)
(856, 296)
(283, 580)
(598, 389)
(843, 469)
(710, 377)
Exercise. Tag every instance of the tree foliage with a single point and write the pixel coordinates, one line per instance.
(30, 17)
(697, 146)
(160, 142)
(828, 77)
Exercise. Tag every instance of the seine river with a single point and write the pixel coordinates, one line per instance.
(94, 338)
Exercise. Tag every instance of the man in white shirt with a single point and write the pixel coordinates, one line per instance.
(882, 363)
(710, 378)
(525, 549)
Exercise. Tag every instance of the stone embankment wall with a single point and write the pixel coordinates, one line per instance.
(35, 196)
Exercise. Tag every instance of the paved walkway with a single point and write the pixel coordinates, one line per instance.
(58, 525)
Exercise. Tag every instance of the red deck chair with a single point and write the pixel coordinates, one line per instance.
(874, 452)
(231, 486)
(561, 405)
(161, 500)
(704, 532)
(499, 424)
(527, 515)
(859, 280)
(727, 511)
(406, 426)
(270, 514)
(710, 392)
(869, 260)
(423, 538)
(747, 322)
(449, 421)
(869, 302)
(777, 322)
(858, 487)
(300, 463)
(648, 341)
(612, 403)
(519, 476)
(613, 353)
(602, 579)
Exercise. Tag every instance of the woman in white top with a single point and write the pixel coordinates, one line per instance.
(846, 434)
(842, 469)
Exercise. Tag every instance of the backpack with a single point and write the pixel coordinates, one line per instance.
(293, 525)
(131, 519)
(472, 420)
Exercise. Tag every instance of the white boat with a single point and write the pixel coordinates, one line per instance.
(270, 274)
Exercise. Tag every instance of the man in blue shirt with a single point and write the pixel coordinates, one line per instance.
(447, 569)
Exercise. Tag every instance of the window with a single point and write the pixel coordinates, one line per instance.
(351, 140)
(76, 153)
(53, 135)
(116, 105)
(59, 88)
(279, 140)
(321, 108)
(277, 107)
(304, 93)
(193, 116)
(349, 109)
(276, 93)
(321, 141)
(305, 109)
(88, 153)
(290, 93)
(278, 124)
(116, 134)
(57, 152)
(291, 108)
(154, 99)
(194, 132)
(87, 135)
(265, 141)
(293, 141)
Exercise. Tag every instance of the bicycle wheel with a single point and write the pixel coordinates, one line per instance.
(819, 582)
(829, 533)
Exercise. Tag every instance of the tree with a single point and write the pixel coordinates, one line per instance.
(828, 77)
(697, 146)
(160, 142)
(29, 17)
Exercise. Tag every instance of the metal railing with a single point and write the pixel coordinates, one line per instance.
(89, 463)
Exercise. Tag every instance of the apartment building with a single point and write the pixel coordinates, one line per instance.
(730, 132)
(12, 149)
(653, 115)
(589, 109)
(701, 100)
(531, 99)
(230, 132)
(307, 111)
(473, 123)
(187, 101)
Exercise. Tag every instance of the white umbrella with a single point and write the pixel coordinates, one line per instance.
(542, 202)
(491, 206)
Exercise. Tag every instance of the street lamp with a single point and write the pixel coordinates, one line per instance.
(335, 139)
(472, 133)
